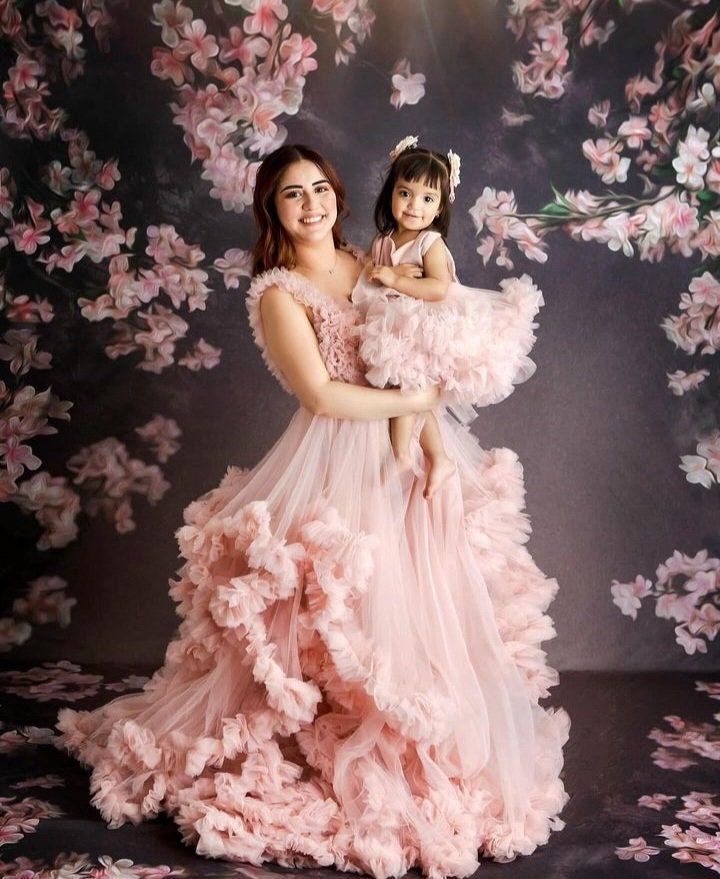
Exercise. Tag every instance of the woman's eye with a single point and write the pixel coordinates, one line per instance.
(321, 189)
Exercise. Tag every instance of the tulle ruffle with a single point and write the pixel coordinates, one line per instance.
(474, 344)
(329, 701)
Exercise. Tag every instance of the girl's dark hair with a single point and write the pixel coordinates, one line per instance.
(273, 246)
(412, 165)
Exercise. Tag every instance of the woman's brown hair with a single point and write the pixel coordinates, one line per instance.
(415, 164)
(273, 247)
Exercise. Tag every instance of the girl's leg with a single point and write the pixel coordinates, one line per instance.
(441, 466)
(401, 430)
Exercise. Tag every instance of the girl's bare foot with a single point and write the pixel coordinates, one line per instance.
(440, 470)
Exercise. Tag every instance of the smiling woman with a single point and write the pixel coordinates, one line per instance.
(356, 678)
(309, 196)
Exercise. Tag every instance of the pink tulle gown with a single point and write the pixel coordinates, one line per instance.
(473, 344)
(356, 677)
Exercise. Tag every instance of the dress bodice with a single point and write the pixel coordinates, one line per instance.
(385, 252)
(335, 323)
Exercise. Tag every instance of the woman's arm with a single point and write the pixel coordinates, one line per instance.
(292, 346)
(432, 287)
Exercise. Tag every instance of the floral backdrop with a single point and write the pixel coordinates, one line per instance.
(130, 135)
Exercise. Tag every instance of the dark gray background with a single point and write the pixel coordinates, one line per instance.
(596, 428)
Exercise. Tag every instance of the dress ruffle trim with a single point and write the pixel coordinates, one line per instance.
(241, 791)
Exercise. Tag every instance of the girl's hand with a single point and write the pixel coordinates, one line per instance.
(384, 275)
(409, 270)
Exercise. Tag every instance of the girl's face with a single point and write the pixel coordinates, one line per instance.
(305, 203)
(415, 204)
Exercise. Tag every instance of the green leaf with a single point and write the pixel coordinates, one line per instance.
(553, 209)
(706, 196)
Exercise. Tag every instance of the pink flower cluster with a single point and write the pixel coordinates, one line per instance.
(704, 467)
(699, 809)
(12, 740)
(23, 111)
(110, 476)
(61, 680)
(700, 739)
(687, 590)
(232, 90)
(352, 19)
(23, 415)
(45, 601)
(161, 434)
(82, 866)
(551, 28)
(20, 817)
(55, 505)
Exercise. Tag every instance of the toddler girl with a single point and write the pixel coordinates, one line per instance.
(421, 326)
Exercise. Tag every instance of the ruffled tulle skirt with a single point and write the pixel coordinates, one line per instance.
(356, 677)
(473, 344)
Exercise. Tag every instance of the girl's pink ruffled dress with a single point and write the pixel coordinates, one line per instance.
(356, 677)
(473, 344)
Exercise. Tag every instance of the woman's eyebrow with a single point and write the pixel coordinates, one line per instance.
(298, 186)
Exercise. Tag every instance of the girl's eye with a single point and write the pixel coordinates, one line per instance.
(404, 193)
(428, 199)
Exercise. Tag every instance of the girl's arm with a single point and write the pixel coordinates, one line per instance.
(432, 287)
(292, 346)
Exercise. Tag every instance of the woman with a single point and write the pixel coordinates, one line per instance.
(355, 680)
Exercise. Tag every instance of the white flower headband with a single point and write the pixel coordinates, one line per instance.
(453, 159)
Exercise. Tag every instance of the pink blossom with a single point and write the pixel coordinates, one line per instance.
(172, 17)
(196, 45)
(634, 131)
(408, 87)
(628, 596)
(20, 348)
(44, 781)
(165, 65)
(45, 601)
(234, 264)
(639, 87)
(655, 801)
(637, 850)
(705, 621)
(203, 356)
(514, 120)
(670, 605)
(688, 643)
(239, 47)
(161, 433)
(712, 688)
(604, 157)
(709, 448)
(680, 382)
(12, 633)
(598, 114)
(23, 309)
(667, 760)
(267, 16)
(696, 470)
